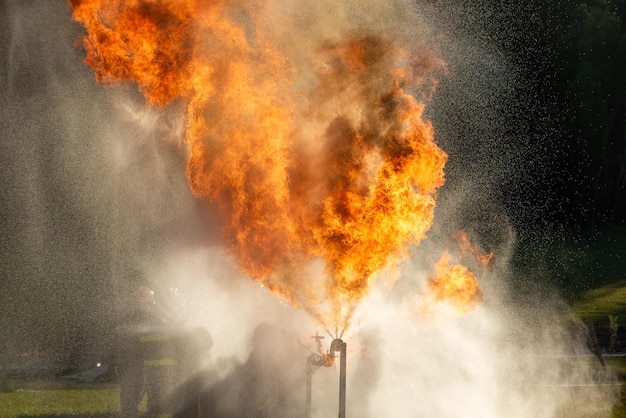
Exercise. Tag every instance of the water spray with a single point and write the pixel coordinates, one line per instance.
(327, 360)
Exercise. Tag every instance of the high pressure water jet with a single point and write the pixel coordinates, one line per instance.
(327, 360)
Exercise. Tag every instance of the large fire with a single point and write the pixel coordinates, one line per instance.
(327, 163)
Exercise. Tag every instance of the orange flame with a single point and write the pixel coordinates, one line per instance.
(456, 285)
(343, 170)
(466, 247)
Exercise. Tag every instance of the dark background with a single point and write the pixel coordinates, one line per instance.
(533, 120)
(565, 106)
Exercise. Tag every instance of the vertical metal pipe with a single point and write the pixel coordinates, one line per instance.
(342, 382)
(339, 345)
(309, 373)
(327, 361)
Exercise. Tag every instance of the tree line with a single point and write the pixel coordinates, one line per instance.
(582, 86)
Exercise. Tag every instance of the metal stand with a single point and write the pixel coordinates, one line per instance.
(327, 360)
(339, 345)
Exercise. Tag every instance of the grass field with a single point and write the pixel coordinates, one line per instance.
(74, 402)
(54, 400)
(599, 306)
(593, 274)
(102, 401)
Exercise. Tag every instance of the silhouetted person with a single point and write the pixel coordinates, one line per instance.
(137, 346)
(156, 357)
(195, 380)
(269, 384)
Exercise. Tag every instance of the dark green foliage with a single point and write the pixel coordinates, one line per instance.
(596, 93)
(593, 91)
(567, 105)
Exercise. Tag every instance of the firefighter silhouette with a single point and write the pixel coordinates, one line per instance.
(155, 356)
